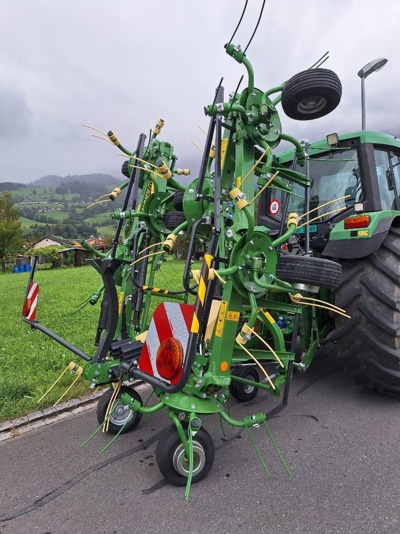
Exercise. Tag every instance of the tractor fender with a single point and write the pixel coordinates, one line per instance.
(353, 246)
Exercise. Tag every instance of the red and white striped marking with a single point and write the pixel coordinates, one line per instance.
(170, 319)
(30, 304)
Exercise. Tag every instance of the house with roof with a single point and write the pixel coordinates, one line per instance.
(71, 253)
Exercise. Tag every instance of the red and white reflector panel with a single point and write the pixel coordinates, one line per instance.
(29, 309)
(164, 350)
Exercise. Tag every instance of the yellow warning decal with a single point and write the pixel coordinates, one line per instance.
(194, 328)
(269, 317)
(362, 233)
(232, 316)
(201, 292)
(224, 144)
(221, 318)
(120, 301)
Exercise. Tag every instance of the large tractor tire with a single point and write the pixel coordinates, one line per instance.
(369, 342)
(311, 94)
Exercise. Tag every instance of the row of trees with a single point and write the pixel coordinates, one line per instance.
(11, 186)
(84, 191)
(66, 230)
(11, 240)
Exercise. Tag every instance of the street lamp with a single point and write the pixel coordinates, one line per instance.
(372, 66)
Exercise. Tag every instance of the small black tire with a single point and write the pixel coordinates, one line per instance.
(121, 414)
(311, 94)
(174, 219)
(177, 200)
(309, 270)
(125, 169)
(172, 461)
(244, 392)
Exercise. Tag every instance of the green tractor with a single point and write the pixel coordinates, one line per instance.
(360, 173)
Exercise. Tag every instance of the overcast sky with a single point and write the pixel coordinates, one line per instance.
(111, 64)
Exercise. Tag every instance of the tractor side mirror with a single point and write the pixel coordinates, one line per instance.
(390, 179)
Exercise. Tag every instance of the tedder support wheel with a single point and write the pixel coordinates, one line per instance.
(121, 414)
(311, 94)
(177, 200)
(309, 270)
(244, 392)
(174, 219)
(125, 169)
(172, 461)
(369, 342)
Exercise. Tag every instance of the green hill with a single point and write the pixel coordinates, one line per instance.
(53, 180)
(71, 206)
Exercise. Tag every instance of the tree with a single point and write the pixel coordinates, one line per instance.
(10, 229)
(181, 246)
(52, 254)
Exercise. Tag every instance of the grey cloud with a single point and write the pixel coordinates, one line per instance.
(109, 64)
(15, 114)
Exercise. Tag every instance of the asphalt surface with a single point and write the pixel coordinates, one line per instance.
(340, 442)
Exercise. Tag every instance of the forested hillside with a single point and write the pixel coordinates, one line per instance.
(66, 206)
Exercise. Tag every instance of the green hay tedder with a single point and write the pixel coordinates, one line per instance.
(276, 231)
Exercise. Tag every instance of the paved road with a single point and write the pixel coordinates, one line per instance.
(341, 443)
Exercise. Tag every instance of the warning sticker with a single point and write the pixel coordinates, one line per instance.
(221, 318)
(269, 317)
(274, 207)
(232, 316)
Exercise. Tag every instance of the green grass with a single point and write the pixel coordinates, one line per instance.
(27, 223)
(30, 361)
(95, 219)
(108, 230)
(59, 216)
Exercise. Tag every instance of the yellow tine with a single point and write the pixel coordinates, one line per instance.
(69, 367)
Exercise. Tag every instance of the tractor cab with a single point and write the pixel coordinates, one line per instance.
(349, 175)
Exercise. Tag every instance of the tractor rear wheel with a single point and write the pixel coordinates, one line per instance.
(369, 342)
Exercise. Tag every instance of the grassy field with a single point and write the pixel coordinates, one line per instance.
(27, 223)
(29, 360)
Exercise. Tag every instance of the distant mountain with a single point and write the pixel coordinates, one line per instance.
(52, 180)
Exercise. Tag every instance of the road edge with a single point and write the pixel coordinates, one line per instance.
(17, 427)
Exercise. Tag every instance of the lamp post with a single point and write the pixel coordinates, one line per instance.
(372, 66)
